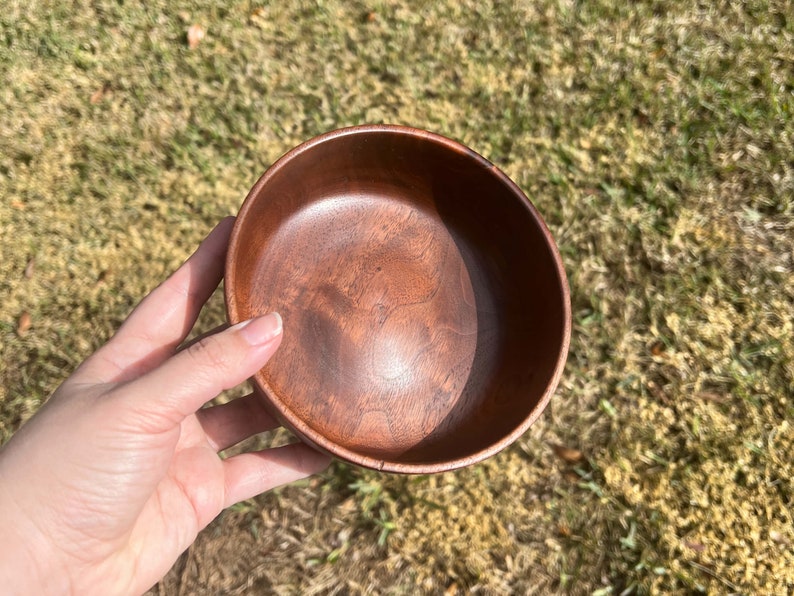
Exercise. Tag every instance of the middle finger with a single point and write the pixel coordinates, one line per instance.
(228, 424)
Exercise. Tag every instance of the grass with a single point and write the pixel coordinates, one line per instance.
(656, 139)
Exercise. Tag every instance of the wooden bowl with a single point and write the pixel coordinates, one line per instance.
(426, 309)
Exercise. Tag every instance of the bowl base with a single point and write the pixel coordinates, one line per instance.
(381, 304)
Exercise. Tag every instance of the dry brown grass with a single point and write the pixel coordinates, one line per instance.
(656, 138)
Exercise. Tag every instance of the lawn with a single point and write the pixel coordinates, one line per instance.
(657, 140)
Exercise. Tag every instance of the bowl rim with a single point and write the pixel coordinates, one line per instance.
(286, 415)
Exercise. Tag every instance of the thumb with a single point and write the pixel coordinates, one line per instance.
(192, 377)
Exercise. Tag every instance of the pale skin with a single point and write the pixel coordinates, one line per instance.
(114, 477)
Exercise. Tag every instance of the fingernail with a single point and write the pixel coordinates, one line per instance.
(260, 330)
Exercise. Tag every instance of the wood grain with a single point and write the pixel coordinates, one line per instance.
(425, 308)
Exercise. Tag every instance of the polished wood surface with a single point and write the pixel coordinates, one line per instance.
(425, 308)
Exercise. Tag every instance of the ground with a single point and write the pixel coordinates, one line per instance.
(656, 138)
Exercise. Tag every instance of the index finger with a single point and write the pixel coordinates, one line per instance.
(163, 319)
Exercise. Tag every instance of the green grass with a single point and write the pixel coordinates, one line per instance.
(656, 139)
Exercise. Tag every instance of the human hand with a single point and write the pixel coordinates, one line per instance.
(115, 476)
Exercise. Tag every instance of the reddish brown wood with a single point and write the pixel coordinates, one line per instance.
(426, 310)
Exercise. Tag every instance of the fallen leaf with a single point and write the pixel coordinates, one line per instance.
(711, 396)
(257, 17)
(567, 454)
(657, 392)
(30, 268)
(195, 34)
(97, 95)
(100, 94)
(17, 204)
(24, 323)
(571, 476)
(642, 118)
(695, 546)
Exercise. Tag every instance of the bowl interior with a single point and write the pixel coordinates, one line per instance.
(425, 308)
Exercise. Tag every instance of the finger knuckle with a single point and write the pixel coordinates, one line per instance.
(210, 352)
